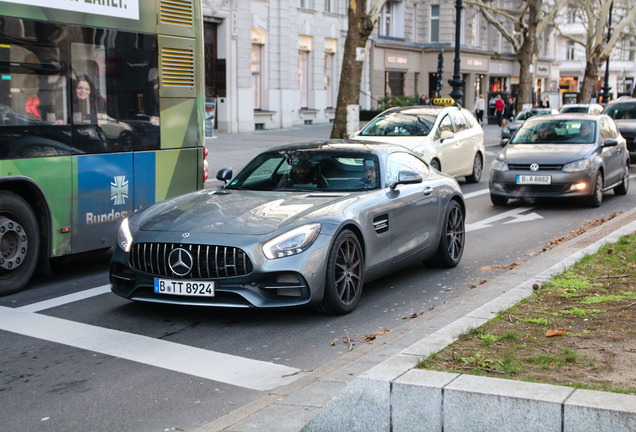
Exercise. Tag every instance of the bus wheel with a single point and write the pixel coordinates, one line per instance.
(19, 242)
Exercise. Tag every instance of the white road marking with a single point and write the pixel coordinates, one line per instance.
(59, 301)
(476, 193)
(225, 368)
(514, 213)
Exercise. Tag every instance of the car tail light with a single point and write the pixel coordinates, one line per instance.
(205, 165)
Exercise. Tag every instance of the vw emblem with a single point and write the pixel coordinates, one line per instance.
(180, 261)
(534, 167)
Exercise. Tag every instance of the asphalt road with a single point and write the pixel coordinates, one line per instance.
(76, 357)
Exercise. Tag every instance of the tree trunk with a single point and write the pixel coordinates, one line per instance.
(360, 28)
(589, 78)
(526, 56)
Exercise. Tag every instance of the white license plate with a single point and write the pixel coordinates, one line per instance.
(534, 179)
(183, 287)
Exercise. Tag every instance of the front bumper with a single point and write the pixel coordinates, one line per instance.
(291, 281)
(504, 184)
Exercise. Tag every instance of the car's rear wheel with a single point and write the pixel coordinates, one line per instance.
(435, 164)
(498, 200)
(19, 242)
(451, 244)
(596, 198)
(478, 167)
(345, 271)
(622, 188)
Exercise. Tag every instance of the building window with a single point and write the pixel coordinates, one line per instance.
(305, 4)
(303, 77)
(330, 6)
(474, 30)
(386, 19)
(569, 50)
(571, 14)
(258, 40)
(434, 24)
(394, 83)
(329, 89)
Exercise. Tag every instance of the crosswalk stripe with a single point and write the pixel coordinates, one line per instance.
(226, 368)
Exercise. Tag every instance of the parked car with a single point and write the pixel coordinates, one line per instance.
(623, 111)
(590, 108)
(565, 155)
(303, 224)
(447, 137)
(118, 132)
(513, 125)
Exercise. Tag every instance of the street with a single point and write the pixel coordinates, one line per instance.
(77, 357)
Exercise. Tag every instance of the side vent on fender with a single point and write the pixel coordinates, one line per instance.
(381, 223)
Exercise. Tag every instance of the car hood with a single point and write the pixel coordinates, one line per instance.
(545, 153)
(239, 211)
(514, 125)
(627, 127)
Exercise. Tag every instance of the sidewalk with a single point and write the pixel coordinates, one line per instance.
(376, 387)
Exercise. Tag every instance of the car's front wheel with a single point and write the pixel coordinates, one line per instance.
(345, 271)
(451, 243)
(478, 167)
(498, 200)
(622, 188)
(596, 198)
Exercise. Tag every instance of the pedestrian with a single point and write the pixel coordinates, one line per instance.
(499, 110)
(545, 103)
(424, 99)
(480, 106)
(509, 110)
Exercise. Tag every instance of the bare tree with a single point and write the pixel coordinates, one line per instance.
(360, 26)
(593, 15)
(530, 18)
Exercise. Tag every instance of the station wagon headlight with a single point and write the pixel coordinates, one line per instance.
(124, 238)
(499, 165)
(292, 242)
(580, 165)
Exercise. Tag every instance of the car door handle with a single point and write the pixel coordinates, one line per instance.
(427, 191)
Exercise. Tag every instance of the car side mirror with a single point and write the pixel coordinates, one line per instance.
(225, 175)
(446, 135)
(610, 142)
(407, 177)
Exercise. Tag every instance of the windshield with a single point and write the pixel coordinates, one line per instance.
(309, 170)
(574, 109)
(557, 132)
(401, 124)
(621, 111)
(525, 115)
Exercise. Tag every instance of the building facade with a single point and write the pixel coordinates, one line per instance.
(276, 63)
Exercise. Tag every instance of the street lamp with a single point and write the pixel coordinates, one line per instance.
(457, 82)
(606, 87)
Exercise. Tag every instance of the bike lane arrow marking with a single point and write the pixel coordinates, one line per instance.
(514, 213)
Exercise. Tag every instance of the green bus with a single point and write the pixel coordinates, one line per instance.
(101, 113)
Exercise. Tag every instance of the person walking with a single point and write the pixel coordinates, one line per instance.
(509, 110)
(480, 106)
(499, 110)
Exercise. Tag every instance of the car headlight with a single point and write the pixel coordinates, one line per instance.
(292, 242)
(580, 165)
(499, 165)
(124, 238)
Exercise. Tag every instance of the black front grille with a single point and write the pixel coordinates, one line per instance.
(542, 167)
(536, 189)
(209, 261)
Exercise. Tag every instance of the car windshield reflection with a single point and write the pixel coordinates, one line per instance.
(309, 171)
(556, 132)
(400, 124)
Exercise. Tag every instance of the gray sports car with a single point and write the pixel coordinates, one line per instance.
(303, 224)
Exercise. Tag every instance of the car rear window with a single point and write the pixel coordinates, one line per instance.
(621, 111)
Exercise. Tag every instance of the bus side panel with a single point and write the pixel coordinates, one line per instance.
(184, 121)
(145, 178)
(53, 176)
(104, 197)
(175, 173)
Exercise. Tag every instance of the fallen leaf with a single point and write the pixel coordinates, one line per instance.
(554, 332)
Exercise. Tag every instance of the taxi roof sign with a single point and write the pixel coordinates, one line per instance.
(443, 101)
